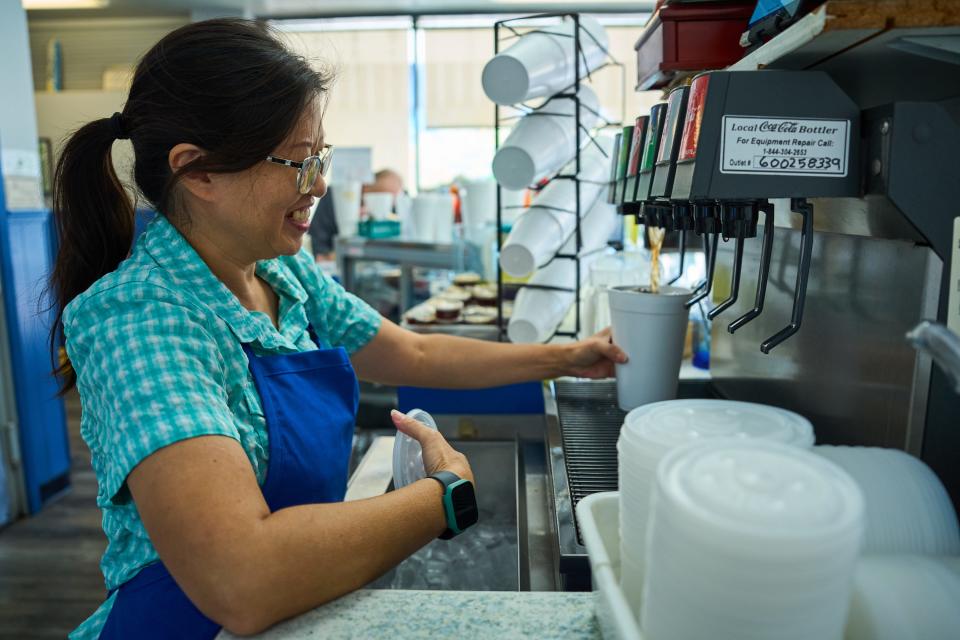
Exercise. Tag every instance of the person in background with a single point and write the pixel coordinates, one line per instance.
(323, 227)
(217, 365)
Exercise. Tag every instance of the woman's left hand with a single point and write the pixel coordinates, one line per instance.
(594, 357)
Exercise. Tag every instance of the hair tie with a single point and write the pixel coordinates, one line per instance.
(117, 126)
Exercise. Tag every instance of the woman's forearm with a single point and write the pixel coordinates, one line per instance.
(400, 357)
(302, 557)
(463, 363)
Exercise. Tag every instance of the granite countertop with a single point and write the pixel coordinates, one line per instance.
(388, 613)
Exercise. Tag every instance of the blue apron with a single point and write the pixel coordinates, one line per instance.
(310, 404)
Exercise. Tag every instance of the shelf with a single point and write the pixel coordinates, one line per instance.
(877, 51)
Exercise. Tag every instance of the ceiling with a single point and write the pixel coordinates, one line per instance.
(328, 8)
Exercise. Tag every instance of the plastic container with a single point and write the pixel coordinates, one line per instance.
(650, 432)
(750, 539)
(908, 509)
(407, 454)
(598, 515)
(540, 63)
(650, 328)
(690, 37)
(905, 597)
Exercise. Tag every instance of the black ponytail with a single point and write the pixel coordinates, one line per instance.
(229, 86)
(94, 219)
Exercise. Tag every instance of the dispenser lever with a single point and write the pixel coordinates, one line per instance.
(766, 251)
(683, 252)
(706, 254)
(711, 257)
(734, 283)
(805, 209)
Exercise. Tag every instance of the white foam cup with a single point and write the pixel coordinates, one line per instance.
(379, 205)
(650, 328)
(478, 205)
(540, 63)
(544, 140)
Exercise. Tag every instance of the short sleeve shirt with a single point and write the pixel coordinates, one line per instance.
(156, 345)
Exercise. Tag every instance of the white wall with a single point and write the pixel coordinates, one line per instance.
(18, 123)
(61, 113)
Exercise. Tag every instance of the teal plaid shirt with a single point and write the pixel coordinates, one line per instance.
(156, 346)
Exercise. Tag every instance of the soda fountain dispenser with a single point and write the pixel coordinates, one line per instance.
(756, 135)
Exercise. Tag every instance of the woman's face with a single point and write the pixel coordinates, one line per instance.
(261, 213)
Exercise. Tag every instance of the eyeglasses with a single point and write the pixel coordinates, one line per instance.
(310, 169)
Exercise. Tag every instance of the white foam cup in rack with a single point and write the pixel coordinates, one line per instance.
(908, 509)
(650, 328)
(532, 241)
(750, 539)
(544, 140)
(552, 217)
(407, 453)
(537, 313)
(541, 62)
(905, 596)
(651, 431)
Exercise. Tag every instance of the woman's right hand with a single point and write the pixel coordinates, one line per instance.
(438, 455)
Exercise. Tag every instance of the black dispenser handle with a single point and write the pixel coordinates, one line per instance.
(805, 209)
(734, 283)
(766, 252)
(711, 256)
(706, 253)
(683, 252)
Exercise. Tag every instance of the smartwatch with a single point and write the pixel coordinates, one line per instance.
(459, 503)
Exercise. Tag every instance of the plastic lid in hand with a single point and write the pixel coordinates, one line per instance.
(407, 454)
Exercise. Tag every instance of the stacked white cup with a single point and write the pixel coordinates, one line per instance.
(541, 62)
(552, 219)
(432, 217)
(538, 312)
(750, 540)
(653, 430)
(478, 205)
(545, 140)
(908, 508)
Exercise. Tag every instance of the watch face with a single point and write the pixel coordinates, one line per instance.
(464, 501)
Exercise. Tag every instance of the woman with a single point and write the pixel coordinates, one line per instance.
(215, 363)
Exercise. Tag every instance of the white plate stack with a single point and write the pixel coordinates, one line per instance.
(905, 598)
(908, 508)
(651, 431)
(750, 539)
